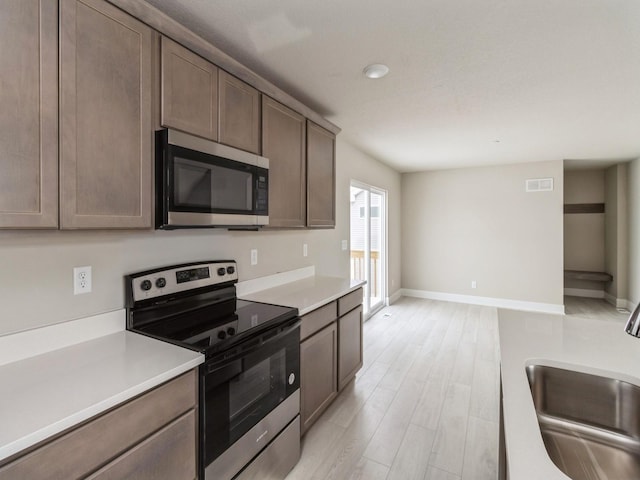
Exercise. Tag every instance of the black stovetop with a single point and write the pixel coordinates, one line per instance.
(219, 326)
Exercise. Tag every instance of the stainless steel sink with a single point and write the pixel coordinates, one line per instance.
(590, 424)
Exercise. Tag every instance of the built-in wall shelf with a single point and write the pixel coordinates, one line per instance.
(590, 276)
(584, 208)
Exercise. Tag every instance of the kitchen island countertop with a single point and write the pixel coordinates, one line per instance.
(599, 347)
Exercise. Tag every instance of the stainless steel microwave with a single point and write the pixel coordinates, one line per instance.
(200, 183)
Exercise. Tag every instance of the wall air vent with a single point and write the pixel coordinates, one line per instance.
(539, 184)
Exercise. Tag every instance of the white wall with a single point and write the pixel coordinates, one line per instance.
(480, 224)
(355, 165)
(634, 231)
(36, 266)
(616, 232)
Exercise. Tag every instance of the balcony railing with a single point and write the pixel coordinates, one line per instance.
(357, 268)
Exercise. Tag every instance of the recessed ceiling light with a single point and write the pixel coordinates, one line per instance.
(375, 70)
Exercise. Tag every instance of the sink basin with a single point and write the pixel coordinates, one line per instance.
(590, 424)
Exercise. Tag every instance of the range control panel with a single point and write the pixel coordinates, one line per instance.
(180, 278)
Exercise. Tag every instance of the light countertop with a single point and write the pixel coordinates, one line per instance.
(48, 393)
(599, 347)
(305, 294)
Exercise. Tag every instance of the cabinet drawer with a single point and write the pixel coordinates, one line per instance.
(86, 448)
(349, 302)
(169, 453)
(317, 320)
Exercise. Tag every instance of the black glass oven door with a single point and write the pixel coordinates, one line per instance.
(240, 391)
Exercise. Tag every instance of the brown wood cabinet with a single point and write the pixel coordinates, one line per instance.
(29, 114)
(151, 436)
(238, 113)
(321, 176)
(318, 374)
(169, 453)
(330, 353)
(283, 143)
(189, 91)
(349, 345)
(105, 111)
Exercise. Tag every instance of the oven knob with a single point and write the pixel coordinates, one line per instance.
(231, 270)
(145, 285)
(161, 282)
(292, 378)
(221, 271)
(231, 331)
(222, 334)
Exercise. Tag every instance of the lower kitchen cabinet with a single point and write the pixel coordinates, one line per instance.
(330, 354)
(318, 374)
(167, 454)
(153, 436)
(349, 346)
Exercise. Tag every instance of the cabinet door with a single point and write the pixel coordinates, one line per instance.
(189, 91)
(169, 453)
(239, 114)
(84, 449)
(318, 374)
(283, 143)
(349, 346)
(29, 113)
(105, 103)
(321, 179)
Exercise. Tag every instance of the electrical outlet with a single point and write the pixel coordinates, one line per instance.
(473, 284)
(305, 250)
(81, 280)
(254, 256)
(345, 245)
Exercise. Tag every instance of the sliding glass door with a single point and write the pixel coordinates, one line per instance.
(368, 234)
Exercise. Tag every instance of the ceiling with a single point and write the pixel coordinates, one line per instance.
(472, 82)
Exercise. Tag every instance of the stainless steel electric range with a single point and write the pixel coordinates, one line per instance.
(249, 422)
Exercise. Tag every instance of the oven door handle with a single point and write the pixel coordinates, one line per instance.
(238, 352)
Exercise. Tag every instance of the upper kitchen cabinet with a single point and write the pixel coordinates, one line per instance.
(29, 114)
(239, 114)
(105, 111)
(189, 91)
(321, 178)
(283, 143)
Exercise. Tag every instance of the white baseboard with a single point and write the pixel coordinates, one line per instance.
(584, 292)
(395, 297)
(619, 303)
(486, 301)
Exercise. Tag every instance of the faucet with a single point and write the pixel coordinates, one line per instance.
(633, 324)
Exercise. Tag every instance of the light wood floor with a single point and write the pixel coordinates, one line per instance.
(593, 308)
(424, 406)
